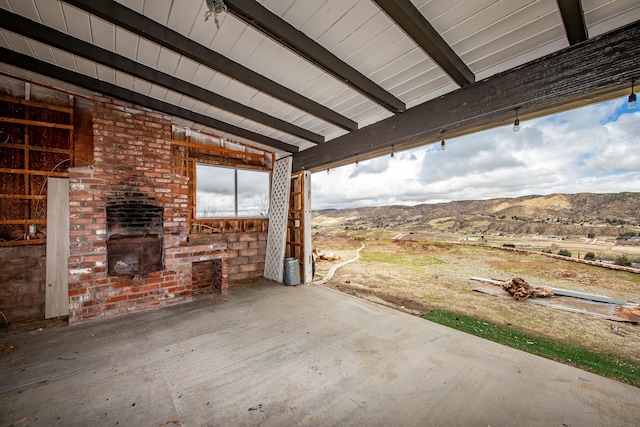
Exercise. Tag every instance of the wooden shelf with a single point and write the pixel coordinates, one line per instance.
(22, 197)
(23, 242)
(35, 123)
(35, 172)
(208, 227)
(23, 221)
(36, 148)
(30, 103)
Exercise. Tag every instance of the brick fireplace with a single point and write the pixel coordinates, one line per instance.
(134, 236)
(131, 177)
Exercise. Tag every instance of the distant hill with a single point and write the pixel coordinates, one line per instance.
(556, 214)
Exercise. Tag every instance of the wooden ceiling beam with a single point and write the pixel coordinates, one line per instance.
(47, 35)
(279, 30)
(409, 19)
(151, 30)
(573, 19)
(575, 75)
(37, 66)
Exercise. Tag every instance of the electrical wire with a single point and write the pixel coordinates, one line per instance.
(20, 237)
(47, 179)
(53, 170)
(7, 138)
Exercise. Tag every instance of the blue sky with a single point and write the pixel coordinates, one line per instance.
(591, 149)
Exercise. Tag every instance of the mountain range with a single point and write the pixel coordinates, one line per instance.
(609, 214)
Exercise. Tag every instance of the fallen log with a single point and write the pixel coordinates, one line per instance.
(520, 290)
(574, 302)
(568, 293)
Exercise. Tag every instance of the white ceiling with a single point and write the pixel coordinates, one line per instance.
(489, 36)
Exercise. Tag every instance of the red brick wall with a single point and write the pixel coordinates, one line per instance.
(132, 150)
(206, 276)
(202, 276)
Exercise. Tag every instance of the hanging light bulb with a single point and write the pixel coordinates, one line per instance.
(327, 171)
(356, 159)
(392, 156)
(633, 100)
(443, 145)
(516, 123)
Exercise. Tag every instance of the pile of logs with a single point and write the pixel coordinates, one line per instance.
(521, 290)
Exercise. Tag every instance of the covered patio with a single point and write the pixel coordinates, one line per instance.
(111, 105)
(268, 354)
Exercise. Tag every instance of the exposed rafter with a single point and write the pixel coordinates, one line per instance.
(573, 19)
(47, 69)
(44, 34)
(142, 26)
(407, 17)
(258, 16)
(574, 75)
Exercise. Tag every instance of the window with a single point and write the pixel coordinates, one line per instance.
(225, 192)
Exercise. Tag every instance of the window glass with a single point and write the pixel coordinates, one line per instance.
(253, 193)
(215, 191)
(223, 192)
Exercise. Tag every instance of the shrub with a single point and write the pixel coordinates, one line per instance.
(623, 261)
(626, 235)
(590, 256)
(564, 252)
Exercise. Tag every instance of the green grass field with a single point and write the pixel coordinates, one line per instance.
(608, 365)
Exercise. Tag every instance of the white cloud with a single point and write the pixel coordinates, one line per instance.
(592, 149)
(373, 167)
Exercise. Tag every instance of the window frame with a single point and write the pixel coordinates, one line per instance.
(187, 149)
(236, 198)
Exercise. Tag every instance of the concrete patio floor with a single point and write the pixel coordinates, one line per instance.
(268, 354)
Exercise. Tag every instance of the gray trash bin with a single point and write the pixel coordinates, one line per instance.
(291, 271)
